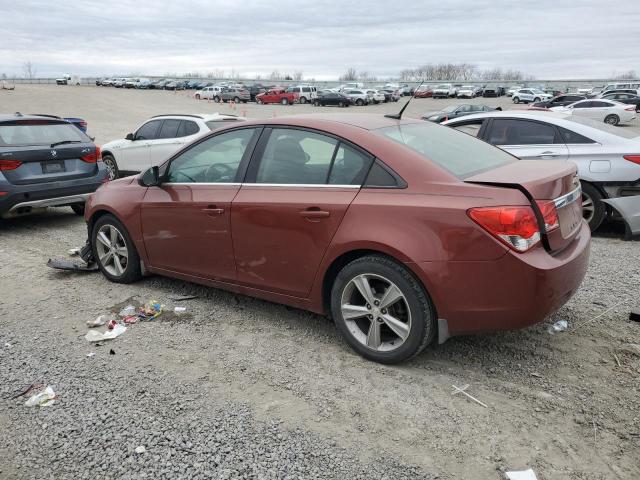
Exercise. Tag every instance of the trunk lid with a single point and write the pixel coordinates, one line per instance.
(543, 183)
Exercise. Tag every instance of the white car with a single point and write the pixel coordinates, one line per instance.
(119, 82)
(306, 93)
(527, 95)
(376, 96)
(634, 85)
(208, 93)
(608, 158)
(608, 111)
(444, 90)
(358, 97)
(156, 140)
(513, 89)
(466, 91)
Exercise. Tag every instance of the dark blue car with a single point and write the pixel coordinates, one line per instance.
(46, 161)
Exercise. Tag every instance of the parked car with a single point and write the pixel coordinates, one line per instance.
(119, 82)
(467, 91)
(233, 94)
(455, 111)
(157, 139)
(107, 82)
(423, 92)
(358, 97)
(559, 101)
(608, 158)
(255, 90)
(175, 85)
(327, 98)
(444, 90)
(45, 161)
(68, 80)
(208, 93)
(607, 111)
(528, 95)
(131, 82)
(514, 88)
(159, 84)
(142, 83)
(277, 95)
(500, 253)
(391, 95)
(627, 98)
(375, 96)
(351, 85)
(306, 93)
(612, 92)
(634, 85)
(99, 81)
(491, 91)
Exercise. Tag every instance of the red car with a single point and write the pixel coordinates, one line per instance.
(401, 230)
(423, 93)
(277, 96)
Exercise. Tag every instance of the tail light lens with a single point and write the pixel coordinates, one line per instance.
(630, 109)
(9, 165)
(633, 158)
(516, 227)
(549, 214)
(92, 157)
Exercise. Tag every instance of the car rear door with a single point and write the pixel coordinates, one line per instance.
(527, 139)
(186, 221)
(298, 188)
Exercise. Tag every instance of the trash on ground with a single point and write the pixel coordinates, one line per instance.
(42, 399)
(521, 475)
(101, 320)
(95, 336)
(140, 449)
(28, 388)
(182, 298)
(73, 252)
(91, 354)
(112, 324)
(60, 264)
(112, 352)
(8, 345)
(179, 310)
(127, 311)
(150, 310)
(130, 319)
(462, 391)
(559, 326)
(635, 315)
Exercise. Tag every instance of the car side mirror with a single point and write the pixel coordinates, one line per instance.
(129, 136)
(150, 177)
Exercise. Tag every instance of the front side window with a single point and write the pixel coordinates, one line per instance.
(520, 132)
(582, 105)
(148, 131)
(215, 160)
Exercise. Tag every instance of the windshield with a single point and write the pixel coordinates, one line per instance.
(450, 108)
(459, 153)
(619, 131)
(467, 87)
(444, 86)
(536, 90)
(38, 132)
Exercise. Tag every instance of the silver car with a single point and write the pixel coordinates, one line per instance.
(608, 158)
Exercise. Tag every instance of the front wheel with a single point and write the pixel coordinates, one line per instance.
(612, 119)
(593, 208)
(341, 104)
(114, 250)
(536, 99)
(258, 101)
(216, 99)
(112, 166)
(78, 209)
(284, 101)
(381, 310)
(516, 100)
(359, 102)
(303, 100)
(236, 99)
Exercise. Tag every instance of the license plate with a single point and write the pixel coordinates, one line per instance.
(53, 167)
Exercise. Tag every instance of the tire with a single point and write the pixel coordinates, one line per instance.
(78, 209)
(131, 271)
(316, 103)
(593, 209)
(612, 119)
(284, 101)
(414, 310)
(341, 104)
(236, 99)
(258, 101)
(359, 102)
(197, 97)
(536, 99)
(516, 100)
(216, 99)
(112, 166)
(303, 100)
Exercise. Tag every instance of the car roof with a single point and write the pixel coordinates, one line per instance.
(4, 117)
(366, 121)
(202, 116)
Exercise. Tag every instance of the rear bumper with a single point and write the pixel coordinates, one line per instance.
(515, 291)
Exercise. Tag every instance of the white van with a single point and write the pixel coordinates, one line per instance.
(306, 93)
(633, 85)
(208, 93)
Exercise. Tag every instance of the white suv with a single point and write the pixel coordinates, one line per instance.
(527, 95)
(358, 97)
(156, 140)
(306, 93)
(445, 90)
(208, 93)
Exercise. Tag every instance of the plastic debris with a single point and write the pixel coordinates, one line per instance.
(140, 449)
(179, 310)
(101, 320)
(127, 311)
(73, 252)
(59, 264)
(559, 326)
(112, 352)
(43, 399)
(462, 391)
(150, 310)
(130, 319)
(521, 475)
(8, 345)
(91, 354)
(95, 336)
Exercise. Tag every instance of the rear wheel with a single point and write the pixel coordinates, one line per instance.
(359, 102)
(382, 311)
(593, 209)
(114, 251)
(316, 103)
(216, 99)
(284, 101)
(612, 119)
(516, 100)
(236, 99)
(341, 104)
(303, 100)
(197, 97)
(112, 166)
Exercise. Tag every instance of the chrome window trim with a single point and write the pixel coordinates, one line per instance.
(568, 198)
(297, 185)
(202, 183)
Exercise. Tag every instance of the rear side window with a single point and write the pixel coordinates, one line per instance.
(572, 137)
(38, 132)
(469, 128)
(349, 166)
(169, 129)
(520, 132)
(460, 154)
(148, 130)
(187, 127)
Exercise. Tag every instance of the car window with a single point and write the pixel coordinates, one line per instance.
(454, 151)
(582, 105)
(214, 160)
(505, 131)
(38, 132)
(469, 128)
(296, 157)
(600, 104)
(572, 137)
(349, 166)
(464, 108)
(148, 130)
(169, 129)
(187, 127)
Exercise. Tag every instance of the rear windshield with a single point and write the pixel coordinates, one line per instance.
(619, 131)
(456, 152)
(36, 132)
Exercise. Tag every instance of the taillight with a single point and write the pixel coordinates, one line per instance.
(92, 157)
(549, 214)
(516, 227)
(632, 158)
(9, 165)
(630, 109)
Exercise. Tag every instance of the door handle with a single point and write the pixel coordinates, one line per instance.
(212, 210)
(314, 214)
(549, 154)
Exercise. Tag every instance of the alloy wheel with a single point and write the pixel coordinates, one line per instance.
(588, 207)
(376, 312)
(111, 168)
(112, 250)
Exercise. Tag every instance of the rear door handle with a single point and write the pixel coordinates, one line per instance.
(314, 214)
(212, 210)
(549, 154)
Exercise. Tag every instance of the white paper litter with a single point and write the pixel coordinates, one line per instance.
(522, 475)
(95, 336)
(140, 449)
(179, 310)
(42, 399)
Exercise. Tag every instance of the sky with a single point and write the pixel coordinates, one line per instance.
(550, 39)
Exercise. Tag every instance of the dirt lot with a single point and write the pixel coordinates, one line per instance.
(241, 388)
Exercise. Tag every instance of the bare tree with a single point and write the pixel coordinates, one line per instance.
(275, 75)
(297, 75)
(630, 75)
(29, 70)
(349, 75)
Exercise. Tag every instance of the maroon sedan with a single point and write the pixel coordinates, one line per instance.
(401, 230)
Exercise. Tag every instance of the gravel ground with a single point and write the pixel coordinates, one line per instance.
(242, 388)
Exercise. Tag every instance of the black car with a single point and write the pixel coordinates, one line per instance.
(332, 98)
(255, 90)
(559, 101)
(628, 98)
(46, 162)
(455, 111)
(492, 91)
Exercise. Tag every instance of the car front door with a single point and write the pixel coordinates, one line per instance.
(297, 190)
(186, 221)
(135, 156)
(166, 143)
(527, 139)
